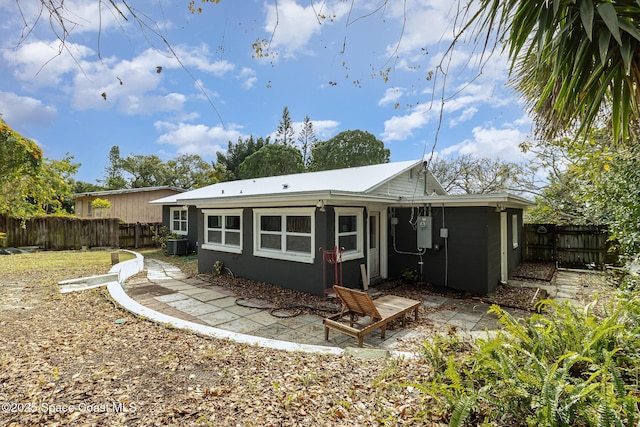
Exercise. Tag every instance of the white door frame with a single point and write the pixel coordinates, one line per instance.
(383, 256)
(504, 266)
(373, 259)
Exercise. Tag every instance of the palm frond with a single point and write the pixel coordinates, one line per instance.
(546, 40)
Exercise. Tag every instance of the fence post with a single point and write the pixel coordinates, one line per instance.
(136, 239)
(556, 236)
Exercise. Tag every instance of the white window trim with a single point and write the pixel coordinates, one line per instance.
(282, 254)
(358, 212)
(186, 221)
(221, 247)
(515, 231)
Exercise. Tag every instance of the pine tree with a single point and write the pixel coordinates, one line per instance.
(114, 179)
(307, 139)
(285, 132)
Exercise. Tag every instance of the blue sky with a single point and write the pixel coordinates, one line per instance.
(327, 67)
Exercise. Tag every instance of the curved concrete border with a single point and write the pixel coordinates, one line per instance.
(118, 294)
(127, 269)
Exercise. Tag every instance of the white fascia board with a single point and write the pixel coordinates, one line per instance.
(168, 200)
(171, 203)
(299, 199)
(493, 200)
(346, 198)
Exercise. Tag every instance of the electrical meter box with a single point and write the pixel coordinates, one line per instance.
(424, 230)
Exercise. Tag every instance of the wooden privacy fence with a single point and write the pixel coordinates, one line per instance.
(57, 233)
(138, 235)
(570, 246)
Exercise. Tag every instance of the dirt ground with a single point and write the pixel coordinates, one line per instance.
(78, 359)
(523, 298)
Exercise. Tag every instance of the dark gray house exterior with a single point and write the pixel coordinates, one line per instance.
(388, 218)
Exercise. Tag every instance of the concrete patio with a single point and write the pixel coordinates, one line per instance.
(166, 289)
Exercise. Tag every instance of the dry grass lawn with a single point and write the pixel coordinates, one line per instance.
(78, 359)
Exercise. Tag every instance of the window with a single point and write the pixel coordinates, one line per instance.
(350, 232)
(285, 235)
(515, 231)
(223, 230)
(178, 222)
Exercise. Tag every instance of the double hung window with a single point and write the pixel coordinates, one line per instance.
(223, 230)
(285, 234)
(515, 232)
(349, 232)
(179, 221)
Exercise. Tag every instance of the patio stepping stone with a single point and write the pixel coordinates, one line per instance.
(219, 317)
(171, 297)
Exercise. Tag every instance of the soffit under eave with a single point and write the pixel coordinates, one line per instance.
(329, 199)
(461, 203)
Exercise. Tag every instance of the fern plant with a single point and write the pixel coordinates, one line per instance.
(564, 366)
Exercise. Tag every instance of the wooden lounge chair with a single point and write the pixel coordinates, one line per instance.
(379, 312)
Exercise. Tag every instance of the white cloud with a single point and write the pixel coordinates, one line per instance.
(325, 129)
(467, 114)
(45, 63)
(292, 25)
(79, 16)
(248, 77)
(198, 58)
(463, 100)
(398, 128)
(134, 86)
(491, 142)
(197, 139)
(23, 111)
(426, 23)
(134, 105)
(142, 84)
(89, 15)
(391, 96)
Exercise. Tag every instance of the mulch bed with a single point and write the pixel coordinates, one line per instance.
(523, 298)
(543, 271)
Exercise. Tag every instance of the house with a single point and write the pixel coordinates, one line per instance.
(130, 205)
(391, 218)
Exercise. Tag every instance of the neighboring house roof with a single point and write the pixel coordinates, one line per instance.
(384, 183)
(127, 191)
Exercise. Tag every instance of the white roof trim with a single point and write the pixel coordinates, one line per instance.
(127, 191)
(504, 200)
(356, 180)
(335, 187)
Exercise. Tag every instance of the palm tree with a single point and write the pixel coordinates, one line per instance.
(575, 62)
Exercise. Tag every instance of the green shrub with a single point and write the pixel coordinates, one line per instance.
(565, 366)
(162, 234)
(409, 275)
(218, 268)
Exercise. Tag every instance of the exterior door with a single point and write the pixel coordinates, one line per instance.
(373, 254)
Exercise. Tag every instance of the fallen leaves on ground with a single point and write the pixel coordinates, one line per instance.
(78, 359)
